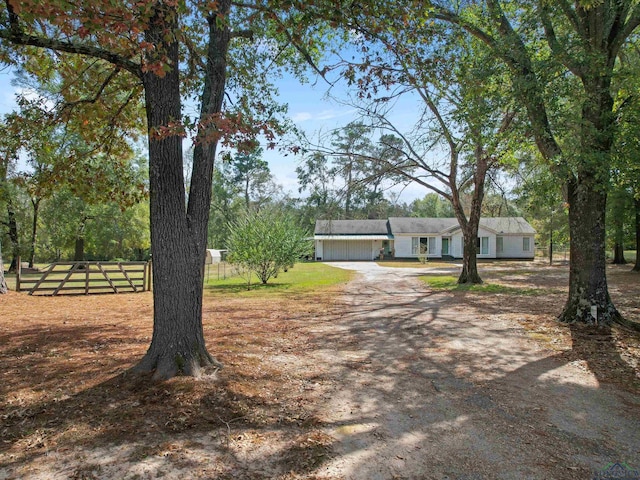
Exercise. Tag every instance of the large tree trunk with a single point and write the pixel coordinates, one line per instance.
(3, 283)
(587, 266)
(636, 203)
(78, 252)
(178, 237)
(618, 254)
(34, 231)
(469, 273)
(13, 237)
(589, 300)
(617, 212)
(470, 227)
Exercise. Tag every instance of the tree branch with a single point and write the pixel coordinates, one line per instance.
(98, 94)
(554, 44)
(16, 35)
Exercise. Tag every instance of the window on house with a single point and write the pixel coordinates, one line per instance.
(499, 245)
(423, 245)
(526, 244)
(482, 244)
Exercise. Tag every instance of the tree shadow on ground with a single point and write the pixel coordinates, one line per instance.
(433, 388)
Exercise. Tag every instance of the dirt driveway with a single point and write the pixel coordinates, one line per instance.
(427, 389)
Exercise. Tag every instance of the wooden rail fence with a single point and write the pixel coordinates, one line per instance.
(84, 278)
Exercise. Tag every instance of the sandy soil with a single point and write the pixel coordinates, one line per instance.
(387, 380)
(431, 386)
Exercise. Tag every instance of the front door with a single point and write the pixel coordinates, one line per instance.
(445, 246)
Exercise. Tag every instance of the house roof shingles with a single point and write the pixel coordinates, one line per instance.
(421, 225)
(351, 227)
(409, 225)
(512, 225)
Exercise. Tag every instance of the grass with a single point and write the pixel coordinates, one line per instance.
(303, 278)
(447, 282)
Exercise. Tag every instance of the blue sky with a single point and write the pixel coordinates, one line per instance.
(310, 109)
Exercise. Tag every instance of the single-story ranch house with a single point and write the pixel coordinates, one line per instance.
(401, 237)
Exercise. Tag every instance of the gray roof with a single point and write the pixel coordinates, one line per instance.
(351, 227)
(421, 225)
(504, 225)
(513, 225)
(409, 225)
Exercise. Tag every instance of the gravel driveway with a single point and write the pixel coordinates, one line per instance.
(426, 388)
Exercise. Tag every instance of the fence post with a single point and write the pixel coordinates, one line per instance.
(150, 267)
(18, 272)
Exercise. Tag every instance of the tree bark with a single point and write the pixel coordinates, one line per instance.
(469, 227)
(618, 254)
(178, 237)
(636, 203)
(78, 252)
(3, 283)
(587, 267)
(617, 211)
(34, 231)
(13, 237)
(589, 300)
(469, 273)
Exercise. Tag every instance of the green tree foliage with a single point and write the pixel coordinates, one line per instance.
(341, 182)
(267, 242)
(431, 205)
(250, 176)
(620, 221)
(626, 160)
(317, 179)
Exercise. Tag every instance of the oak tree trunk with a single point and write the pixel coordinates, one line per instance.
(470, 226)
(13, 237)
(618, 254)
(469, 272)
(34, 231)
(179, 233)
(588, 292)
(588, 301)
(617, 211)
(636, 203)
(3, 282)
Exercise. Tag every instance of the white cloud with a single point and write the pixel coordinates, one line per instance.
(331, 114)
(322, 116)
(301, 117)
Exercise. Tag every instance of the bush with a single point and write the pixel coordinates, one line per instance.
(266, 243)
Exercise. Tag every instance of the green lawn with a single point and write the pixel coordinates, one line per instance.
(303, 278)
(447, 282)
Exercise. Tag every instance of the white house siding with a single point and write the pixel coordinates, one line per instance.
(402, 246)
(458, 243)
(492, 243)
(512, 247)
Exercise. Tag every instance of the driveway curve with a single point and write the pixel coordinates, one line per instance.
(425, 386)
